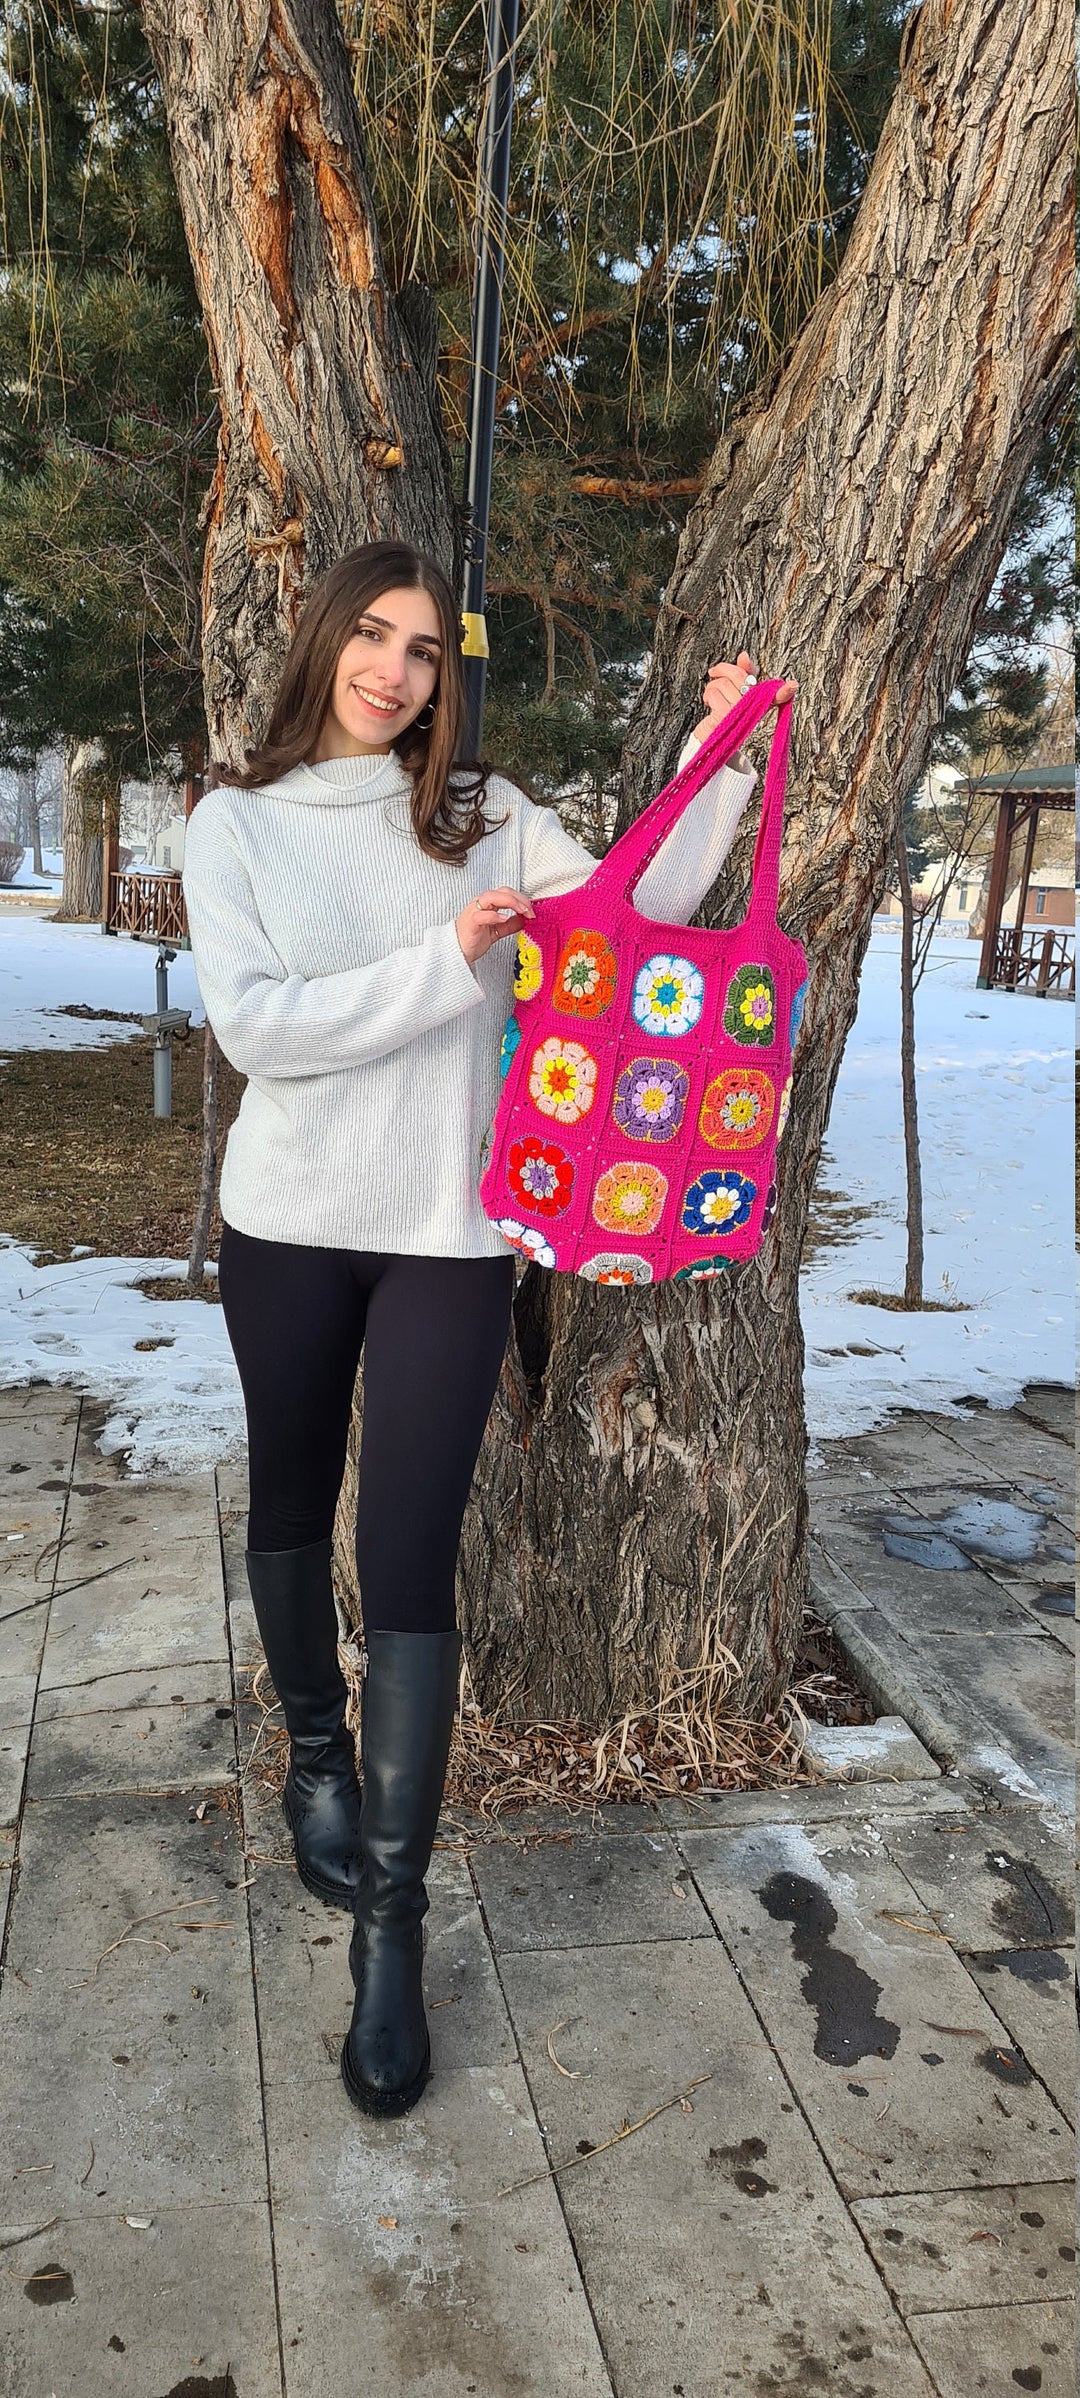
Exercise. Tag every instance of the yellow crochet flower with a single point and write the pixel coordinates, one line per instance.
(562, 1079)
(756, 1007)
(530, 969)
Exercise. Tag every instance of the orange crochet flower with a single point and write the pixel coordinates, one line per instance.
(630, 1197)
(585, 976)
(737, 1109)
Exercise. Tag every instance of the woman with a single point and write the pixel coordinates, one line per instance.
(352, 898)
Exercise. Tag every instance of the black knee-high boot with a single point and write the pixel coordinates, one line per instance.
(293, 1596)
(407, 1713)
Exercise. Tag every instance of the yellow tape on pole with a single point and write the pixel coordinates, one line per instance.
(475, 644)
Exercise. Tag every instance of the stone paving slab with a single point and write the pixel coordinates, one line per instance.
(22, 1638)
(921, 1601)
(14, 1746)
(143, 1520)
(1002, 1882)
(982, 2351)
(1051, 1407)
(995, 1529)
(906, 2073)
(206, 1685)
(1023, 1689)
(1031, 1991)
(718, 2256)
(134, 2072)
(457, 2290)
(973, 2247)
(1052, 1602)
(594, 1891)
(913, 1449)
(1033, 1454)
(137, 2314)
(133, 1748)
(306, 1994)
(160, 1621)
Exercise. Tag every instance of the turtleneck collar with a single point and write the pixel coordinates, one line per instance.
(346, 781)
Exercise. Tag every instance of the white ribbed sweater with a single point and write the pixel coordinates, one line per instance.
(328, 960)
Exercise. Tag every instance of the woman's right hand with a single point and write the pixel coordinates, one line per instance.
(489, 919)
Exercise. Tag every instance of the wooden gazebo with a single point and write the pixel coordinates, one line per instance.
(1025, 956)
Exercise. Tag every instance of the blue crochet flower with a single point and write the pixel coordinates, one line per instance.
(719, 1201)
(510, 1039)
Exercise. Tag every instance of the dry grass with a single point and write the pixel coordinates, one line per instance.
(691, 1739)
(85, 1161)
(903, 1307)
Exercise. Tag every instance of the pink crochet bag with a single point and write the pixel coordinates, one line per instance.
(648, 1066)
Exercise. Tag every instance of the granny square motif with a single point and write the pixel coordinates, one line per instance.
(647, 1067)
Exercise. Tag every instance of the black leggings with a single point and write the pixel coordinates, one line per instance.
(433, 1332)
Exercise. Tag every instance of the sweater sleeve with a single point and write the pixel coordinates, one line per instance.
(684, 868)
(278, 1025)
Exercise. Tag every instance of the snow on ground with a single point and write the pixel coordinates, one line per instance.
(995, 1094)
(995, 1073)
(175, 1409)
(47, 966)
(26, 879)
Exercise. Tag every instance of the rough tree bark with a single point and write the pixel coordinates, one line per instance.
(644, 1462)
(330, 433)
(913, 1263)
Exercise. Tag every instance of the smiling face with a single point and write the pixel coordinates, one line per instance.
(385, 676)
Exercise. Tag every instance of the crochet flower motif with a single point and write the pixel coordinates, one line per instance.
(719, 1201)
(750, 1008)
(784, 1108)
(611, 1266)
(650, 1099)
(540, 1176)
(510, 1039)
(797, 1006)
(530, 968)
(668, 995)
(630, 1197)
(705, 1269)
(525, 1238)
(737, 1109)
(585, 976)
(562, 1079)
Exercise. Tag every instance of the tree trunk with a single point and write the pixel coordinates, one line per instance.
(204, 1206)
(913, 1267)
(643, 1470)
(330, 434)
(82, 824)
(28, 828)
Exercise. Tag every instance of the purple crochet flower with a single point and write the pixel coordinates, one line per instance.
(650, 1099)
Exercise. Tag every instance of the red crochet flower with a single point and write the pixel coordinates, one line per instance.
(541, 1176)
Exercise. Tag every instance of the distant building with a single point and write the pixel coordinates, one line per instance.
(1051, 898)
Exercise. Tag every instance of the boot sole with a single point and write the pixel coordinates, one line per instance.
(383, 2102)
(332, 1894)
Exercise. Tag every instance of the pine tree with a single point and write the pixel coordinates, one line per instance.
(107, 418)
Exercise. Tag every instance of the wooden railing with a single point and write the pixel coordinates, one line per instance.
(149, 905)
(1029, 959)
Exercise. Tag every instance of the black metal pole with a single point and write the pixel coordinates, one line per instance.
(502, 26)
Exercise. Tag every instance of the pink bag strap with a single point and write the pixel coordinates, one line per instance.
(619, 872)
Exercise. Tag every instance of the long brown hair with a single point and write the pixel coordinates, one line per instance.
(446, 800)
